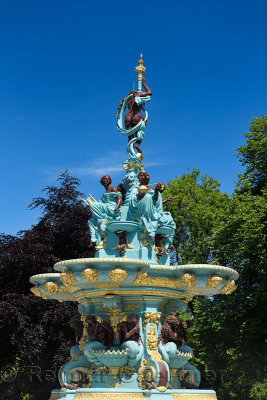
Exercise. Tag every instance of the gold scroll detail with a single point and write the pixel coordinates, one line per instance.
(81, 370)
(189, 396)
(36, 291)
(146, 373)
(144, 240)
(151, 337)
(83, 297)
(214, 281)
(131, 165)
(109, 396)
(229, 287)
(89, 275)
(115, 317)
(67, 277)
(101, 245)
(51, 287)
(131, 307)
(84, 338)
(118, 274)
(188, 280)
(127, 370)
(143, 279)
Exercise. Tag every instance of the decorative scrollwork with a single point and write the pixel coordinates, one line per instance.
(143, 279)
(146, 376)
(229, 287)
(35, 290)
(151, 338)
(67, 277)
(51, 287)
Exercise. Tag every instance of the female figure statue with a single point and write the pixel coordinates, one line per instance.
(105, 209)
(142, 205)
(133, 115)
(165, 216)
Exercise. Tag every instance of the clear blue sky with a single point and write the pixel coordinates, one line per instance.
(66, 64)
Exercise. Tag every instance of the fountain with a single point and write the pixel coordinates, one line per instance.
(131, 339)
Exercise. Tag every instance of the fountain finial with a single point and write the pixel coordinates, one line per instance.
(140, 70)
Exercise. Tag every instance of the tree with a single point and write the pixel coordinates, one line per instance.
(253, 156)
(35, 333)
(228, 332)
(198, 207)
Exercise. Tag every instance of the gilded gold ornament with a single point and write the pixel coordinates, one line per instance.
(131, 307)
(89, 275)
(127, 370)
(35, 290)
(188, 280)
(151, 338)
(51, 287)
(143, 279)
(146, 373)
(87, 297)
(109, 396)
(117, 275)
(67, 277)
(229, 287)
(190, 396)
(214, 281)
(115, 317)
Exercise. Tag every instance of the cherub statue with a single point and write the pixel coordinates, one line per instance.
(108, 208)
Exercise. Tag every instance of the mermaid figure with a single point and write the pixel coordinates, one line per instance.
(133, 121)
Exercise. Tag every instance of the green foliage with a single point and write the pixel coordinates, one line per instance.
(259, 391)
(198, 207)
(253, 156)
(228, 334)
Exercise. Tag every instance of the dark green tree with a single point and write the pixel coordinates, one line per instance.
(35, 333)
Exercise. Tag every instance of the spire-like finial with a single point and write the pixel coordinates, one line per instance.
(140, 70)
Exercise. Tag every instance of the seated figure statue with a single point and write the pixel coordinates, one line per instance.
(100, 337)
(171, 337)
(147, 204)
(165, 218)
(142, 205)
(129, 333)
(105, 209)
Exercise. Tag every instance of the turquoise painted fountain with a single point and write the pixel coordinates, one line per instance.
(131, 342)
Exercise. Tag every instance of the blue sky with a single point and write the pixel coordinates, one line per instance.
(66, 64)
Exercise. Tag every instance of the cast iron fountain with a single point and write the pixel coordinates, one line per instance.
(131, 339)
